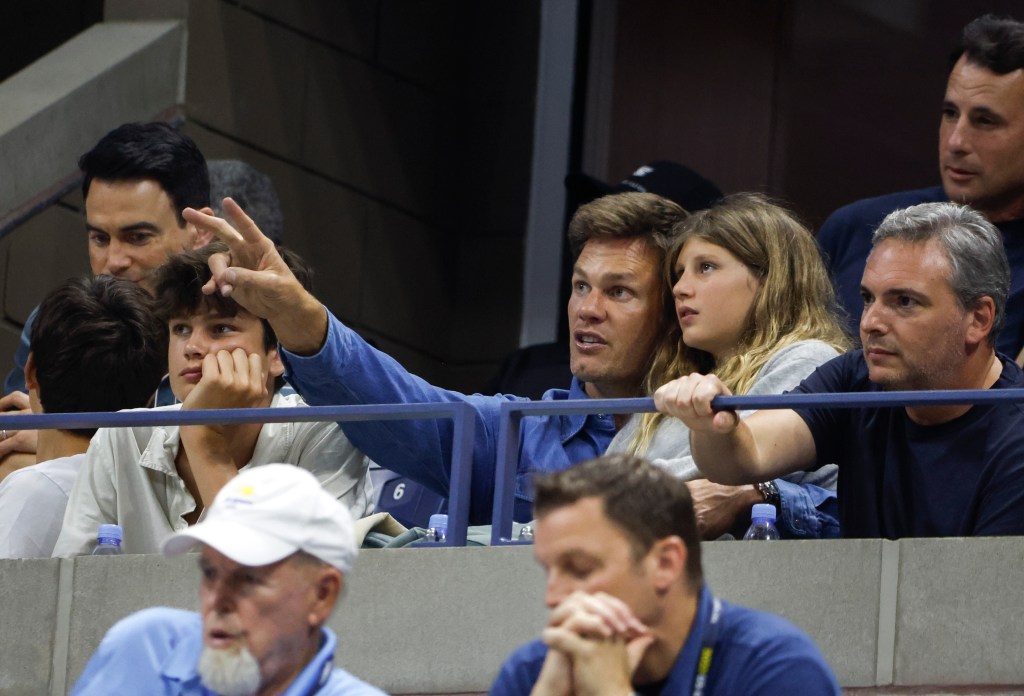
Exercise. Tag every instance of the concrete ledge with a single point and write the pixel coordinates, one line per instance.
(959, 618)
(441, 621)
(829, 589)
(28, 616)
(438, 620)
(58, 107)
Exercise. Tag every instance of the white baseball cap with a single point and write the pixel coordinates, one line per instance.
(269, 512)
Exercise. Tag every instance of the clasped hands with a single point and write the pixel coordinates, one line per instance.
(595, 644)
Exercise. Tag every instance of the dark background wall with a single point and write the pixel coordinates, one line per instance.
(399, 132)
(818, 103)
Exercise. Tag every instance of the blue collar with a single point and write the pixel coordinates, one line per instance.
(571, 425)
(680, 679)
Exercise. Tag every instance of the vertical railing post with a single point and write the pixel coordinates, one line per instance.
(505, 472)
(464, 424)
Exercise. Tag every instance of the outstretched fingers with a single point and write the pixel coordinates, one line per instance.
(220, 228)
(244, 226)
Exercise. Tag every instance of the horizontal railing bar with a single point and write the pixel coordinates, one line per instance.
(228, 416)
(894, 399)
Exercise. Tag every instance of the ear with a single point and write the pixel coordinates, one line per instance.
(275, 365)
(667, 562)
(201, 238)
(980, 320)
(30, 373)
(326, 589)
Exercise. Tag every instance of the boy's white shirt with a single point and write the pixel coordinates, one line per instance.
(129, 478)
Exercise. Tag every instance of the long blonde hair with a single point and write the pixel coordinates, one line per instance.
(796, 300)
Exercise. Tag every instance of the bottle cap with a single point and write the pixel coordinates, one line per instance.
(763, 511)
(110, 531)
(438, 521)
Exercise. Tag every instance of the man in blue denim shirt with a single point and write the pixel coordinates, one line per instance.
(618, 308)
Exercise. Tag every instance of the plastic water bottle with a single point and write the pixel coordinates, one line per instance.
(526, 533)
(762, 527)
(108, 540)
(437, 528)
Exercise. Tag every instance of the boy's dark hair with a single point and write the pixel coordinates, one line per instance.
(646, 502)
(179, 286)
(97, 345)
(137, 151)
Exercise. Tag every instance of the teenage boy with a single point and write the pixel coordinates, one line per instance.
(97, 346)
(157, 480)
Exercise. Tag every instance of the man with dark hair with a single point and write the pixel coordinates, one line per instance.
(98, 347)
(981, 163)
(630, 612)
(138, 179)
(619, 306)
(934, 291)
(276, 551)
(157, 480)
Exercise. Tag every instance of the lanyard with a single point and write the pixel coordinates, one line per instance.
(707, 647)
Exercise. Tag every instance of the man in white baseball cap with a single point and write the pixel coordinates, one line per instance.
(274, 552)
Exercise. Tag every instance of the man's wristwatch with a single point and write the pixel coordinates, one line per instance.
(771, 494)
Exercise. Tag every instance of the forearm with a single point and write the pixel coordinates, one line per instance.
(302, 327)
(348, 371)
(728, 458)
(764, 446)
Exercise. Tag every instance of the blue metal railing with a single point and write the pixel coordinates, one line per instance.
(511, 415)
(461, 414)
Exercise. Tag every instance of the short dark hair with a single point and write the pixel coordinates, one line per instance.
(995, 43)
(179, 286)
(646, 502)
(626, 216)
(97, 345)
(137, 151)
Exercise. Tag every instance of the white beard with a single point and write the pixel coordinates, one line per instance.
(229, 672)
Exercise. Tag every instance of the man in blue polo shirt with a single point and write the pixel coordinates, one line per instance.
(276, 549)
(630, 612)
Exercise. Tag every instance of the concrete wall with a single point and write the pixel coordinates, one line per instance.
(398, 135)
(817, 103)
(937, 613)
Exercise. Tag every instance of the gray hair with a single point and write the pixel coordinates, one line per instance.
(973, 245)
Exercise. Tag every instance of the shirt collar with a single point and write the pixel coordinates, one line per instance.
(182, 664)
(319, 669)
(572, 424)
(680, 679)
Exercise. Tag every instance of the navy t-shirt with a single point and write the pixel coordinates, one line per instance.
(845, 239)
(899, 479)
